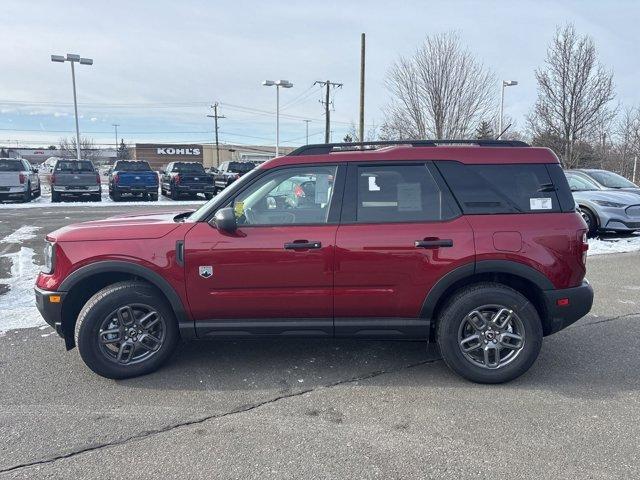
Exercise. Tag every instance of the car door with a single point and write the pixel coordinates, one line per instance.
(274, 274)
(401, 231)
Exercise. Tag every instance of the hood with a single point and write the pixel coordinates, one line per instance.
(618, 196)
(127, 227)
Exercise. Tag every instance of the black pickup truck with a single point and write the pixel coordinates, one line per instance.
(229, 172)
(186, 178)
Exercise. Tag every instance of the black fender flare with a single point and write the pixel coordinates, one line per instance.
(483, 266)
(185, 324)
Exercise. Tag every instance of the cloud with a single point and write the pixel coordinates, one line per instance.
(60, 114)
(94, 119)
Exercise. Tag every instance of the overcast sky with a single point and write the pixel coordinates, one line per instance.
(159, 64)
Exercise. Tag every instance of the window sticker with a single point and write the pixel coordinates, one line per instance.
(540, 204)
(238, 209)
(322, 188)
(409, 197)
(373, 186)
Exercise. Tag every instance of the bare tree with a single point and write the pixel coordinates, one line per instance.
(439, 92)
(627, 142)
(574, 93)
(88, 150)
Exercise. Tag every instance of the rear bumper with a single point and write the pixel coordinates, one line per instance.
(136, 188)
(578, 303)
(50, 311)
(92, 189)
(194, 188)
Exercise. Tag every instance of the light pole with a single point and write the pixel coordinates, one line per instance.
(74, 58)
(116, 125)
(307, 129)
(505, 83)
(278, 84)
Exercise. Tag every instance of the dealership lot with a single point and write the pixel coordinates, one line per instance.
(318, 409)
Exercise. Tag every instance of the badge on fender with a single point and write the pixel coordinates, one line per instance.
(206, 271)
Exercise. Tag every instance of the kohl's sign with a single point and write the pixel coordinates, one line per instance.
(178, 151)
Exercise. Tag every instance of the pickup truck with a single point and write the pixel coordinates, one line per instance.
(75, 178)
(186, 178)
(18, 180)
(229, 172)
(134, 178)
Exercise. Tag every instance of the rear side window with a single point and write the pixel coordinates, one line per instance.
(10, 166)
(74, 166)
(513, 188)
(132, 167)
(400, 193)
(188, 167)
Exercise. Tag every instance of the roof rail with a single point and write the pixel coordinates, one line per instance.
(323, 148)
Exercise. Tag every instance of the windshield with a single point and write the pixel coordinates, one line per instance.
(201, 213)
(580, 184)
(132, 167)
(241, 167)
(188, 168)
(74, 166)
(10, 166)
(612, 180)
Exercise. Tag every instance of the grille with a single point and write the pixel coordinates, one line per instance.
(633, 211)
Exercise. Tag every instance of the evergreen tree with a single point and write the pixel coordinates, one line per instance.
(484, 131)
(123, 151)
(347, 138)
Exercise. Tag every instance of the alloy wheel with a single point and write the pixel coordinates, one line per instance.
(491, 336)
(132, 334)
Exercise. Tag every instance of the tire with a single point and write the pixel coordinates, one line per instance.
(100, 312)
(38, 192)
(208, 196)
(153, 197)
(116, 196)
(454, 323)
(591, 221)
(27, 194)
(175, 195)
(55, 197)
(96, 198)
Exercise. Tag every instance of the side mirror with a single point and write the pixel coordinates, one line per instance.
(225, 220)
(35, 170)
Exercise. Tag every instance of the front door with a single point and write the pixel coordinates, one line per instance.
(274, 274)
(400, 233)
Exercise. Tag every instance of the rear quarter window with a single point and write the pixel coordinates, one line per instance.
(510, 188)
(10, 166)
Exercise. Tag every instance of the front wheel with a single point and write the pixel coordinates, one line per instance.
(125, 330)
(489, 333)
(591, 221)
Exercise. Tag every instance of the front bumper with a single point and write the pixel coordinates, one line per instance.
(568, 305)
(51, 311)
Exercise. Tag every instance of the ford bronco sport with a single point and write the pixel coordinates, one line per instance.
(475, 245)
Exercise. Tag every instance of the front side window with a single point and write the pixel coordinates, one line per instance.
(400, 193)
(580, 184)
(300, 195)
(612, 180)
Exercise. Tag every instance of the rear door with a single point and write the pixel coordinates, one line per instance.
(274, 274)
(400, 233)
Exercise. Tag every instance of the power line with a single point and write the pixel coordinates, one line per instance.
(327, 118)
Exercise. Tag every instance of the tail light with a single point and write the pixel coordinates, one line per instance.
(53, 178)
(22, 178)
(97, 178)
(583, 245)
(178, 179)
(116, 178)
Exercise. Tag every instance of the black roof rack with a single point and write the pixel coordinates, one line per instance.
(323, 148)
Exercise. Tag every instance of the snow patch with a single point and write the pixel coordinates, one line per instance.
(18, 305)
(599, 246)
(20, 235)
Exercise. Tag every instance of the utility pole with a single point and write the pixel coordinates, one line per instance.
(116, 125)
(362, 53)
(327, 125)
(215, 117)
(307, 129)
(635, 166)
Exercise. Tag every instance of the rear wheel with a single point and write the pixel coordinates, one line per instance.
(175, 195)
(489, 333)
(153, 197)
(27, 194)
(55, 197)
(591, 221)
(116, 195)
(208, 196)
(96, 198)
(126, 330)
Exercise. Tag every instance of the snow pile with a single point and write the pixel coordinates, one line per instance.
(43, 202)
(23, 233)
(599, 246)
(18, 305)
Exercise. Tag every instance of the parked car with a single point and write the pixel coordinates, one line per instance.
(608, 180)
(479, 249)
(18, 180)
(229, 172)
(186, 178)
(133, 178)
(604, 210)
(76, 179)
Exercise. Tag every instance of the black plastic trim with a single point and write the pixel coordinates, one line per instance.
(383, 327)
(515, 268)
(115, 266)
(267, 327)
(580, 303)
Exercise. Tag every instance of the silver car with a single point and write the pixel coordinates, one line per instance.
(607, 180)
(604, 210)
(18, 180)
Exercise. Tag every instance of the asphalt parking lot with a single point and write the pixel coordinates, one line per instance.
(323, 409)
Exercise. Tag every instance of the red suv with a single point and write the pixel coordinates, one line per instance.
(475, 245)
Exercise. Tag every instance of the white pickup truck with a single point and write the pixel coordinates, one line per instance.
(18, 180)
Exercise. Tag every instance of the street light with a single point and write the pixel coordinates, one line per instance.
(278, 84)
(74, 58)
(505, 83)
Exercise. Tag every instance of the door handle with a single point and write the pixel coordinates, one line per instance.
(433, 243)
(302, 245)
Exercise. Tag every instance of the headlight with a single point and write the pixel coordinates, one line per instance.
(604, 203)
(49, 260)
